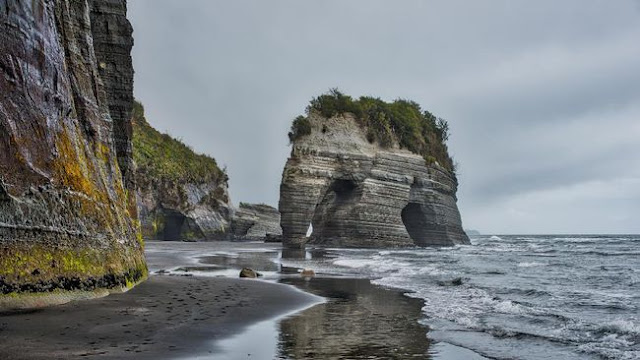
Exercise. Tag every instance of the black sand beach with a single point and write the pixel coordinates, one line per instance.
(201, 314)
(166, 317)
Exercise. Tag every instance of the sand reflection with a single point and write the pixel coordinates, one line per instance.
(359, 320)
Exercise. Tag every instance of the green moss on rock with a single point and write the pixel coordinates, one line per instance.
(39, 268)
(401, 122)
(163, 157)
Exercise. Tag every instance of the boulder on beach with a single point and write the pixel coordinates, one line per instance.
(308, 273)
(249, 273)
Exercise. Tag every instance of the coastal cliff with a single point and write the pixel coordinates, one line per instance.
(68, 218)
(365, 173)
(184, 196)
(181, 195)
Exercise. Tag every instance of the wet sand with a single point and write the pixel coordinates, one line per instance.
(359, 321)
(166, 317)
(206, 316)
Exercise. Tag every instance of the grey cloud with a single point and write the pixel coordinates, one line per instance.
(543, 97)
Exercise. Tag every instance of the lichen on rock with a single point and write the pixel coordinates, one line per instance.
(66, 220)
(359, 189)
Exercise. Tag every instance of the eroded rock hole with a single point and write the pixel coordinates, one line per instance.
(334, 207)
(174, 221)
(343, 189)
(416, 222)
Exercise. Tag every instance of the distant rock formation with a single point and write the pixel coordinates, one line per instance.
(355, 192)
(67, 208)
(181, 195)
(256, 222)
(184, 196)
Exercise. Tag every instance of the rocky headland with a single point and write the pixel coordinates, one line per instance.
(68, 217)
(181, 195)
(365, 173)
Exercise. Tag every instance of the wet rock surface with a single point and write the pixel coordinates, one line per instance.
(249, 273)
(357, 194)
(170, 210)
(67, 220)
(112, 42)
(256, 222)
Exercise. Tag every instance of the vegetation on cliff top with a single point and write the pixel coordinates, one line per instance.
(162, 157)
(402, 122)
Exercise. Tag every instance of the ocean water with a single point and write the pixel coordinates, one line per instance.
(513, 297)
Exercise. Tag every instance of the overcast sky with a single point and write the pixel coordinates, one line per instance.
(543, 97)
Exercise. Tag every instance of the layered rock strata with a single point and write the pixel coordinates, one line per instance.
(112, 43)
(67, 221)
(356, 193)
(256, 222)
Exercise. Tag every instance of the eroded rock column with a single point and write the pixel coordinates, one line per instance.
(357, 194)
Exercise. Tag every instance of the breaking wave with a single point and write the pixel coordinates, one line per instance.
(564, 296)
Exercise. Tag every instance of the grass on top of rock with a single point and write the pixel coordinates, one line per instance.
(162, 157)
(402, 122)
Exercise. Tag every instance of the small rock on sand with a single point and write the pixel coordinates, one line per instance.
(308, 273)
(249, 273)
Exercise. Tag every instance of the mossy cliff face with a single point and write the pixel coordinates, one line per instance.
(363, 175)
(181, 195)
(68, 219)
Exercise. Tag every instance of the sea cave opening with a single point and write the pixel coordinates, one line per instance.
(335, 204)
(343, 190)
(173, 223)
(415, 221)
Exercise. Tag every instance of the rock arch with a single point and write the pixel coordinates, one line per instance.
(334, 211)
(357, 194)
